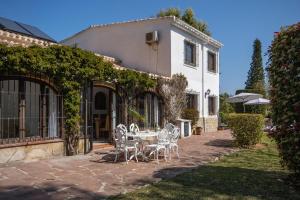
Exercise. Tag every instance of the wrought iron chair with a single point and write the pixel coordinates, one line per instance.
(134, 128)
(174, 136)
(170, 127)
(123, 145)
(161, 145)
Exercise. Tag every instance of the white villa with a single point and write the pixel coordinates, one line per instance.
(31, 106)
(162, 46)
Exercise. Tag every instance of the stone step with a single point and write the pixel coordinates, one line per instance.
(97, 146)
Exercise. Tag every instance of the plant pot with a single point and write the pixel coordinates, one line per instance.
(198, 130)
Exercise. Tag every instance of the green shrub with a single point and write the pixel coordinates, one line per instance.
(191, 114)
(284, 79)
(247, 129)
(225, 106)
(223, 117)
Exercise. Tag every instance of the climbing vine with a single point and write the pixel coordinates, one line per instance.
(70, 69)
(173, 93)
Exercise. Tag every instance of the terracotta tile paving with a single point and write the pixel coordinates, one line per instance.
(96, 176)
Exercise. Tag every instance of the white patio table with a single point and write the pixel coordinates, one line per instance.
(143, 137)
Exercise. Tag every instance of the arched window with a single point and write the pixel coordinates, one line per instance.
(100, 101)
(28, 108)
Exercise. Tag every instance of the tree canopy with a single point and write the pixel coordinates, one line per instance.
(188, 16)
(256, 77)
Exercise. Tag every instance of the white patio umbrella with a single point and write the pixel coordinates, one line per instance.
(243, 97)
(258, 101)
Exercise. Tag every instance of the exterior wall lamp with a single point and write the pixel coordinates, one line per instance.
(207, 92)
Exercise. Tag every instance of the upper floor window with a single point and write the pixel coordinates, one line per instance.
(211, 62)
(189, 53)
(212, 105)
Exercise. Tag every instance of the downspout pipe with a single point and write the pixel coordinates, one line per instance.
(203, 93)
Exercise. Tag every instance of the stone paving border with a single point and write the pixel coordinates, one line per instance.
(96, 176)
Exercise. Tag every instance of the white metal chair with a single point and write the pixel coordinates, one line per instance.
(134, 128)
(161, 145)
(170, 127)
(174, 136)
(123, 145)
(123, 127)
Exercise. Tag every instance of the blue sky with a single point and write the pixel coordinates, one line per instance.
(236, 23)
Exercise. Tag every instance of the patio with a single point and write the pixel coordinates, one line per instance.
(96, 176)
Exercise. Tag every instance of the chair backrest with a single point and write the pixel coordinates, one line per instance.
(174, 136)
(134, 128)
(169, 127)
(120, 136)
(163, 135)
(123, 127)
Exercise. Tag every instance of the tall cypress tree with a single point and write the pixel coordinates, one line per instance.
(256, 77)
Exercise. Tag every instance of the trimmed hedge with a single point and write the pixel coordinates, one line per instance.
(191, 114)
(247, 129)
(284, 78)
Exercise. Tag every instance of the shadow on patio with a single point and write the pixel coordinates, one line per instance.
(217, 182)
(220, 143)
(47, 191)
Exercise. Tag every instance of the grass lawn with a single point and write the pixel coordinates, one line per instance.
(247, 174)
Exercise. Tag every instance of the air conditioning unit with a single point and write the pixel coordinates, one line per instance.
(152, 37)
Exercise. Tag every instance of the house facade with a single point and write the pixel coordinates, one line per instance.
(163, 46)
(32, 110)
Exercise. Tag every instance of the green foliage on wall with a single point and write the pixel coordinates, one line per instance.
(172, 90)
(284, 79)
(70, 69)
(188, 16)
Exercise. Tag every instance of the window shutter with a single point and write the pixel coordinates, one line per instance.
(214, 105)
(197, 55)
(214, 63)
(209, 105)
(209, 61)
(184, 52)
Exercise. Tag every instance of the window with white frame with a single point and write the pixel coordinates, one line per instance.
(190, 53)
(191, 101)
(211, 62)
(212, 105)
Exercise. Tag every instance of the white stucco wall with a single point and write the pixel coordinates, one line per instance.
(194, 74)
(126, 41)
(211, 80)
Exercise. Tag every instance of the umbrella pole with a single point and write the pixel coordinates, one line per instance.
(244, 107)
